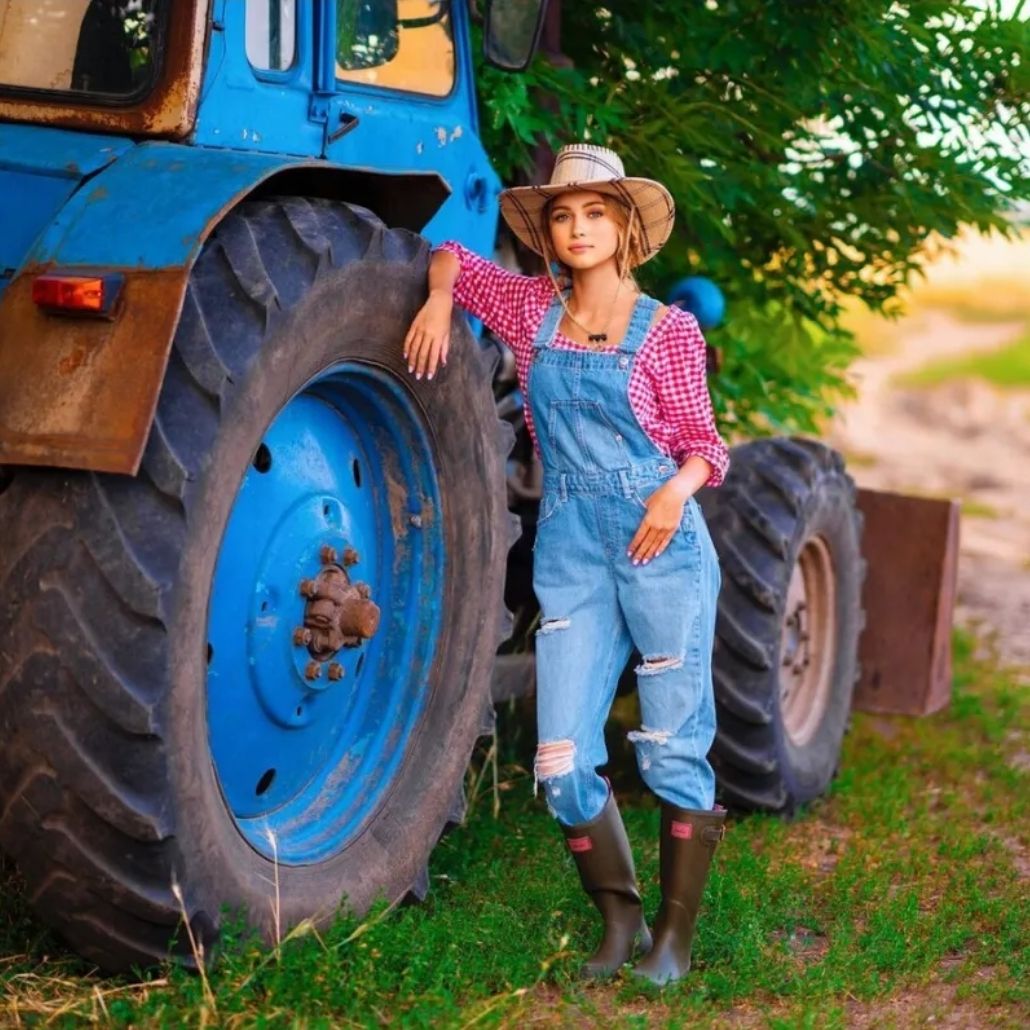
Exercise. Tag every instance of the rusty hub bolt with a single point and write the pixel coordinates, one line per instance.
(301, 636)
(327, 554)
(335, 671)
(350, 557)
(313, 670)
(338, 614)
(415, 520)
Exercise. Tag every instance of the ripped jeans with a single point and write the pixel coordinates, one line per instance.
(595, 606)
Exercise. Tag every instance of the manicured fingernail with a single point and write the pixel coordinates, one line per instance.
(411, 368)
(636, 561)
(430, 376)
(418, 375)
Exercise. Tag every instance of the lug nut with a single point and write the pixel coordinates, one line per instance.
(301, 636)
(327, 554)
(335, 671)
(313, 670)
(415, 520)
(308, 588)
(350, 556)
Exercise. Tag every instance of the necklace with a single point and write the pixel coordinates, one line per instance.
(602, 336)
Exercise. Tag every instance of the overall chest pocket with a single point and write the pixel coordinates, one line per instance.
(584, 437)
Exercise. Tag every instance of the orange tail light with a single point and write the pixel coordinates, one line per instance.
(77, 294)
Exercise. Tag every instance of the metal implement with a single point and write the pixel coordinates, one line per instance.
(909, 597)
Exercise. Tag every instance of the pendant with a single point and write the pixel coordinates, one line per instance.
(598, 338)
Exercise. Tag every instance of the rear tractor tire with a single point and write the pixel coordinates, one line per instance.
(785, 664)
(197, 698)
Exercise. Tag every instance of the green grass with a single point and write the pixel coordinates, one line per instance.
(1007, 367)
(969, 506)
(860, 459)
(979, 509)
(899, 895)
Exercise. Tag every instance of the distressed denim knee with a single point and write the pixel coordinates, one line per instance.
(575, 793)
(677, 729)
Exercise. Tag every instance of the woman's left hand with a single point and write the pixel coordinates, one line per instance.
(659, 525)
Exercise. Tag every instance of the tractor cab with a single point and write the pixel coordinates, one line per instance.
(381, 85)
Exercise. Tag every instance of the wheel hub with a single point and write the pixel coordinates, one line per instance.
(807, 642)
(339, 613)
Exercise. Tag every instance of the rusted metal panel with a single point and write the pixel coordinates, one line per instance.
(168, 110)
(79, 392)
(911, 547)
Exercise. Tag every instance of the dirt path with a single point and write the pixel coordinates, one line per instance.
(962, 439)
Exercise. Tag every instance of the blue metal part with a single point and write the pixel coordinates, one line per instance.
(175, 189)
(305, 762)
(294, 112)
(183, 190)
(57, 152)
(39, 170)
(702, 298)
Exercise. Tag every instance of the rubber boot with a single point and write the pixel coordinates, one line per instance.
(602, 855)
(688, 841)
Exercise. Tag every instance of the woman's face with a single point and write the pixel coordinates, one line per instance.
(583, 232)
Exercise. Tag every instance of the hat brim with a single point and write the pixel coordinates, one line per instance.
(522, 208)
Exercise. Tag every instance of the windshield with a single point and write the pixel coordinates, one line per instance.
(109, 49)
(396, 44)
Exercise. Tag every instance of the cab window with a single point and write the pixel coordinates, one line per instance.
(271, 30)
(396, 44)
(104, 48)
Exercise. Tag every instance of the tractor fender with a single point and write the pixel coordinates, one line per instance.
(80, 392)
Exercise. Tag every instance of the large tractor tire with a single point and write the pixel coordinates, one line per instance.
(785, 663)
(198, 711)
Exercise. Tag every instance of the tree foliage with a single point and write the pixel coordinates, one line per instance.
(815, 150)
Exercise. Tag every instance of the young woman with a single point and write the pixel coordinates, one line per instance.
(619, 410)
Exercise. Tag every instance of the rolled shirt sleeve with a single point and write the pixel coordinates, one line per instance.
(686, 405)
(497, 297)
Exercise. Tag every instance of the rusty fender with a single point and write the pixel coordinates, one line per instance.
(78, 392)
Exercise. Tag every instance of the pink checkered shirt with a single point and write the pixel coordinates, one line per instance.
(668, 391)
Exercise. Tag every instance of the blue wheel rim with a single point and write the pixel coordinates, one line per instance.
(303, 763)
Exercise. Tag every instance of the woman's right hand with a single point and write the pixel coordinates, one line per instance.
(429, 337)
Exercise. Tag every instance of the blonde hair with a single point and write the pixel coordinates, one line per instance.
(628, 255)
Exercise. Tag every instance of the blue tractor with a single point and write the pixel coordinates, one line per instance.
(252, 575)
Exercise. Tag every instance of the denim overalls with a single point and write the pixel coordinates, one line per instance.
(599, 466)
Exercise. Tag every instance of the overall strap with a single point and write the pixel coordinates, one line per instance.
(636, 331)
(545, 334)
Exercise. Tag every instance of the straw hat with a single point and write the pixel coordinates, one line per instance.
(583, 166)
